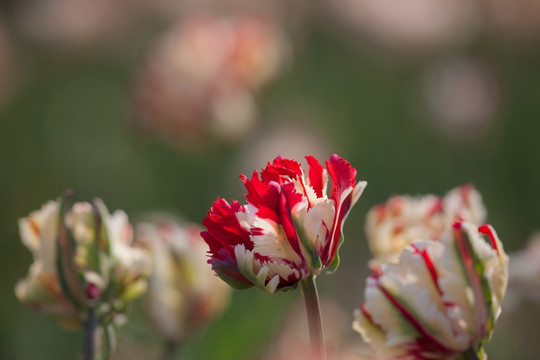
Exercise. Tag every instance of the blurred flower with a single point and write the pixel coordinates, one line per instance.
(292, 342)
(83, 259)
(513, 20)
(77, 24)
(524, 274)
(200, 80)
(183, 295)
(403, 219)
(410, 26)
(289, 229)
(463, 97)
(440, 301)
(289, 137)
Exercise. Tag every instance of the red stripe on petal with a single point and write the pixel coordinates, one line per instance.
(486, 229)
(429, 265)
(343, 175)
(288, 199)
(316, 175)
(428, 341)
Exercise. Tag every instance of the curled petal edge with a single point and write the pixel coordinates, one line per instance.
(245, 259)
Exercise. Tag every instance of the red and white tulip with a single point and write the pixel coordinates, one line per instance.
(83, 259)
(403, 219)
(440, 301)
(288, 230)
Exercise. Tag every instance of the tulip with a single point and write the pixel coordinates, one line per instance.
(440, 301)
(85, 270)
(403, 219)
(288, 232)
(184, 295)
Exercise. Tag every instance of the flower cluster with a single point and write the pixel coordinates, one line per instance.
(83, 258)
(440, 300)
(183, 292)
(403, 219)
(289, 229)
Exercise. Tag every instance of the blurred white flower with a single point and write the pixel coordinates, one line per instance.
(83, 258)
(184, 295)
(77, 24)
(524, 276)
(514, 21)
(463, 97)
(289, 138)
(410, 26)
(403, 219)
(440, 301)
(200, 80)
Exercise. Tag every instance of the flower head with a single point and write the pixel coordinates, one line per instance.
(83, 259)
(441, 299)
(403, 219)
(183, 293)
(289, 228)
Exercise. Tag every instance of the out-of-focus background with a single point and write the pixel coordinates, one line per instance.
(159, 105)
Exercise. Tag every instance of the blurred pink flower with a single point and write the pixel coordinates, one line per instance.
(200, 79)
(514, 21)
(463, 97)
(77, 24)
(289, 229)
(410, 26)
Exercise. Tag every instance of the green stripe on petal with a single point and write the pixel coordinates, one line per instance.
(308, 246)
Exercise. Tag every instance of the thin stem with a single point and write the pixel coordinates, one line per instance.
(309, 289)
(169, 350)
(471, 354)
(89, 335)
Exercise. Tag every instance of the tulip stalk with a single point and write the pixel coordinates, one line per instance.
(90, 326)
(170, 349)
(311, 298)
(471, 354)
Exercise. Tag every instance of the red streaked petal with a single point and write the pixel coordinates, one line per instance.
(428, 341)
(255, 188)
(223, 227)
(316, 178)
(429, 265)
(280, 170)
(487, 229)
(287, 201)
(343, 175)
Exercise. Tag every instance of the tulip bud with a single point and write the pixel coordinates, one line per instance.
(184, 294)
(83, 259)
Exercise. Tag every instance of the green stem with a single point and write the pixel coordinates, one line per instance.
(309, 290)
(89, 335)
(471, 354)
(169, 350)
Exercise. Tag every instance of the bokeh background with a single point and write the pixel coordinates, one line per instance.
(419, 96)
